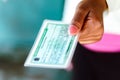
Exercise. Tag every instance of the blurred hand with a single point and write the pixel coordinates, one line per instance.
(88, 21)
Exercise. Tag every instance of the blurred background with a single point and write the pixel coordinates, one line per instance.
(20, 21)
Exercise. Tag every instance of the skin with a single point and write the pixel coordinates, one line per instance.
(88, 21)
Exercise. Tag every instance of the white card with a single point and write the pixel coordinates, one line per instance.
(54, 47)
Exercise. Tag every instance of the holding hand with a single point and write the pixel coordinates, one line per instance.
(88, 21)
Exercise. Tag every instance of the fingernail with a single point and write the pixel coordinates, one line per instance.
(73, 30)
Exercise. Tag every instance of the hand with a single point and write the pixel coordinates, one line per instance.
(88, 21)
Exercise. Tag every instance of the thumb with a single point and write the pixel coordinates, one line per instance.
(78, 20)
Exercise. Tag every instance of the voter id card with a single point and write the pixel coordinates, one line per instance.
(54, 47)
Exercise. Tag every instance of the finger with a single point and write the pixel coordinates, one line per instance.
(78, 20)
(73, 30)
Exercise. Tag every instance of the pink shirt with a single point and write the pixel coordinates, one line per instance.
(109, 43)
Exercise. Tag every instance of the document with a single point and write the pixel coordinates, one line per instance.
(53, 47)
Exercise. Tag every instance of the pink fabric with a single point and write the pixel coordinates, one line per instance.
(109, 43)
